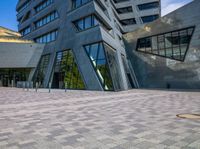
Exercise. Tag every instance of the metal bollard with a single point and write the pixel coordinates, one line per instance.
(66, 87)
(32, 84)
(28, 86)
(24, 85)
(36, 86)
(12, 82)
(49, 87)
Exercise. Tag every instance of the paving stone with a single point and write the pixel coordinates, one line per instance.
(145, 144)
(134, 119)
(168, 142)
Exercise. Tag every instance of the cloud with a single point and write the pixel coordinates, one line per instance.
(171, 5)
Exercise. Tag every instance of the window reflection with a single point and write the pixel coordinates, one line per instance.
(172, 45)
(89, 22)
(103, 59)
(66, 73)
(9, 77)
(78, 3)
(42, 70)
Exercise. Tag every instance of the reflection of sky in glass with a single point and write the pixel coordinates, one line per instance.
(101, 62)
(59, 56)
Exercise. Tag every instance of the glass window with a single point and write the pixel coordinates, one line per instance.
(14, 76)
(66, 72)
(88, 22)
(148, 6)
(49, 18)
(147, 19)
(41, 70)
(47, 37)
(78, 3)
(125, 10)
(172, 45)
(25, 31)
(80, 25)
(128, 21)
(24, 6)
(102, 57)
(43, 5)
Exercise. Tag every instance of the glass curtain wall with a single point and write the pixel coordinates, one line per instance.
(66, 73)
(15, 75)
(113, 65)
(128, 74)
(41, 70)
(103, 60)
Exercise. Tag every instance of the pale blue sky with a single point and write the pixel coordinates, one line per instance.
(8, 14)
(171, 5)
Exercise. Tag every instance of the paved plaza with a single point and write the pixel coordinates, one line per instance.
(135, 119)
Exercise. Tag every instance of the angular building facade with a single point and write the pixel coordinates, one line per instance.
(18, 58)
(166, 52)
(84, 46)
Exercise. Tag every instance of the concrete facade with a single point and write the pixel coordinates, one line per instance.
(153, 71)
(20, 55)
(69, 38)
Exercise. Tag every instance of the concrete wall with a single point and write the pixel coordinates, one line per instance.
(156, 72)
(20, 55)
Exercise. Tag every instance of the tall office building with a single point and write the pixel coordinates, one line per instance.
(84, 47)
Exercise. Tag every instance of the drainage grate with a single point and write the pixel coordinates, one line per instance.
(189, 116)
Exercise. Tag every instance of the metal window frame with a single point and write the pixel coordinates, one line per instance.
(172, 47)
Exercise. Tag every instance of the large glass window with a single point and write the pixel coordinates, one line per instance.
(120, 1)
(41, 70)
(147, 19)
(66, 72)
(49, 18)
(172, 45)
(148, 6)
(128, 75)
(46, 38)
(128, 21)
(125, 10)
(43, 5)
(9, 76)
(78, 3)
(88, 22)
(103, 59)
(25, 31)
(24, 6)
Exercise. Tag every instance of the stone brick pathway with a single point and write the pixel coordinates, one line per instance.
(136, 119)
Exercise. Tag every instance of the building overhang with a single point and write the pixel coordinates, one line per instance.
(20, 55)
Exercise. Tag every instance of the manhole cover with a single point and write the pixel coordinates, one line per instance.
(189, 116)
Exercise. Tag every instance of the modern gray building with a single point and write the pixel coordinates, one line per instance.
(166, 52)
(84, 46)
(18, 58)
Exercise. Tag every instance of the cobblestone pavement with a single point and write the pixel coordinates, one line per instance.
(136, 119)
